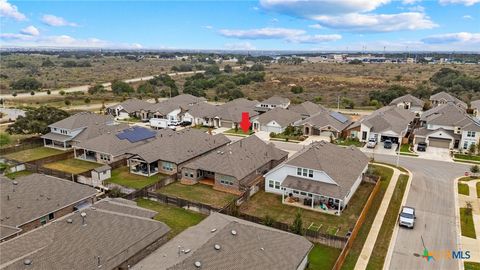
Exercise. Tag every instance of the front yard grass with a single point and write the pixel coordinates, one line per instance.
(198, 193)
(238, 132)
(72, 165)
(356, 249)
(377, 259)
(33, 154)
(178, 219)
(471, 265)
(263, 204)
(463, 189)
(349, 141)
(478, 189)
(467, 157)
(466, 222)
(122, 176)
(15, 175)
(322, 257)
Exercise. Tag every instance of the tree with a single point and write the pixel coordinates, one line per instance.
(32, 93)
(318, 99)
(145, 88)
(120, 87)
(471, 149)
(355, 62)
(48, 92)
(257, 67)
(26, 84)
(14, 94)
(386, 96)
(67, 102)
(37, 120)
(87, 100)
(62, 92)
(348, 103)
(296, 89)
(228, 69)
(4, 139)
(475, 169)
(96, 89)
(212, 70)
(297, 225)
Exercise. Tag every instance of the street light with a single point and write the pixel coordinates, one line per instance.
(399, 146)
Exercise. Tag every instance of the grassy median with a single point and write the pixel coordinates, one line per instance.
(463, 189)
(466, 221)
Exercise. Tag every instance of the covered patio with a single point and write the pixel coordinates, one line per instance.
(84, 154)
(57, 141)
(141, 167)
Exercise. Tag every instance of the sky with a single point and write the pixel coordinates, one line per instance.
(320, 25)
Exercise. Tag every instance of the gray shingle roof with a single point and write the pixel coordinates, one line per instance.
(239, 158)
(181, 101)
(203, 109)
(475, 104)
(342, 164)
(232, 110)
(276, 100)
(282, 116)
(253, 247)
(308, 108)
(325, 118)
(450, 115)
(56, 137)
(448, 98)
(132, 105)
(81, 120)
(179, 146)
(62, 245)
(388, 118)
(37, 195)
(408, 98)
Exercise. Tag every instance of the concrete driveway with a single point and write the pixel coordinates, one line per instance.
(380, 149)
(435, 153)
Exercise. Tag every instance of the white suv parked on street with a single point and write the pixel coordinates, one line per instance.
(407, 217)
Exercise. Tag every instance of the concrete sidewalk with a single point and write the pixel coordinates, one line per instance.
(377, 223)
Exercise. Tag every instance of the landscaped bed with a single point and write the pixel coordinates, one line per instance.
(466, 222)
(463, 189)
(178, 219)
(72, 165)
(33, 154)
(322, 257)
(198, 193)
(349, 141)
(122, 176)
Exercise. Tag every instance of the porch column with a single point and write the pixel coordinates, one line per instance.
(64, 145)
(313, 198)
(74, 152)
(339, 201)
(283, 196)
(44, 142)
(148, 168)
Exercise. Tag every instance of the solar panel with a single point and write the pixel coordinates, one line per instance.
(340, 117)
(136, 134)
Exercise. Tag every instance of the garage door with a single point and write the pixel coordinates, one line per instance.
(419, 140)
(393, 139)
(439, 142)
(227, 124)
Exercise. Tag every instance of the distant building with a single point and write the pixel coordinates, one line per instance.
(272, 103)
(129, 108)
(226, 242)
(32, 201)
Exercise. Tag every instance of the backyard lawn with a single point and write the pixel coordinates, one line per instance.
(263, 204)
(178, 219)
(15, 175)
(122, 176)
(198, 193)
(322, 257)
(466, 222)
(33, 154)
(72, 165)
(463, 189)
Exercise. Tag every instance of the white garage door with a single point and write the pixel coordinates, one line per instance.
(271, 129)
(439, 142)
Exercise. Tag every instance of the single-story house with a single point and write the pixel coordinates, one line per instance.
(171, 150)
(112, 235)
(390, 122)
(325, 123)
(34, 200)
(129, 108)
(272, 103)
(229, 115)
(275, 120)
(203, 114)
(236, 167)
(321, 177)
(307, 109)
(78, 128)
(220, 241)
(409, 102)
(444, 98)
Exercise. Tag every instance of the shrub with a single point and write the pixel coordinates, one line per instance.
(297, 225)
(296, 89)
(26, 84)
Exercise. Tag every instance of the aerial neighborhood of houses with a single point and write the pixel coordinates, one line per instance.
(100, 194)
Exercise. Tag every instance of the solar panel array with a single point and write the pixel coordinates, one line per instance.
(339, 117)
(136, 134)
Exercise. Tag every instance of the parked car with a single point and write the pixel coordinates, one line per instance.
(372, 142)
(173, 123)
(422, 146)
(387, 144)
(407, 217)
(185, 124)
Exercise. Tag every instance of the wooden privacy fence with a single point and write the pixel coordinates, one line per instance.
(356, 229)
(179, 202)
(25, 144)
(144, 192)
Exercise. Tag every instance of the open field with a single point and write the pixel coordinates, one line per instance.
(33, 154)
(198, 193)
(122, 176)
(72, 165)
(178, 219)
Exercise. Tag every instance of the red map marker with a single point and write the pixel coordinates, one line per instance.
(245, 124)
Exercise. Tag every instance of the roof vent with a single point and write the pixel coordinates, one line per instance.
(27, 262)
(198, 264)
(70, 220)
(83, 215)
(234, 232)
(262, 249)
(15, 183)
(187, 250)
(217, 247)
(213, 230)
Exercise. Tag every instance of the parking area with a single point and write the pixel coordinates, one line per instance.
(380, 149)
(436, 153)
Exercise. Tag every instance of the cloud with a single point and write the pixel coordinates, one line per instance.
(460, 2)
(208, 27)
(53, 20)
(30, 30)
(410, 2)
(377, 22)
(239, 46)
(467, 17)
(15, 37)
(8, 10)
(461, 37)
(315, 26)
(261, 33)
(417, 8)
(314, 38)
(312, 8)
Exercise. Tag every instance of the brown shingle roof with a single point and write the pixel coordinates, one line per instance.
(232, 110)
(450, 115)
(326, 118)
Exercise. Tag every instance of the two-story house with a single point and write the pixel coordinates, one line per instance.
(448, 126)
(321, 177)
(272, 103)
(444, 98)
(79, 128)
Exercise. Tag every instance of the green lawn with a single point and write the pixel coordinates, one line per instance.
(178, 219)
(349, 141)
(405, 150)
(380, 249)
(238, 132)
(322, 257)
(468, 157)
(198, 193)
(122, 176)
(15, 175)
(392, 165)
(352, 257)
(471, 265)
(468, 178)
(33, 154)
(72, 165)
(466, 221)
(263, 204)
(463, 189)
(478, 189)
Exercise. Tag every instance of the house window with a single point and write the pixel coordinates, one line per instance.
(43, 220)
(270, 183)
(186, 174)
(310, 195)
(310, 173)
(167, 166)
(51, 216)
(465, 145)
(226, 180)
(303, 193)
(191, 175)
(277, 185)
(471, 134)
(305, 172)
(299, 171)
(105, 157)
(296, 192)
